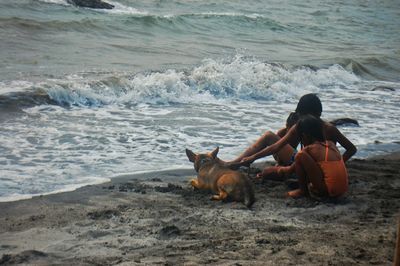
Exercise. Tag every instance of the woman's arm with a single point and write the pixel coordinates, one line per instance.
(290, 136)
(338, 137)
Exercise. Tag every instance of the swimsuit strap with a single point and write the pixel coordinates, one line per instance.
(326, 151)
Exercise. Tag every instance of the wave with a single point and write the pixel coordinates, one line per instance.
(58, 2)
(29, 25)
(240, 78)
(18, 100)
(129, 10)
(373, 68)
(190, 23)
(136, 15)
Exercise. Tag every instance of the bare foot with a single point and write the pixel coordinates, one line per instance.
(270, 173)
(297, 193)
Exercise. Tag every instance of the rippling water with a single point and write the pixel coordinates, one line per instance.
(89, 94)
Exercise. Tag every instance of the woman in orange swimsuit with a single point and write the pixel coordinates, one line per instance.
(319, 165)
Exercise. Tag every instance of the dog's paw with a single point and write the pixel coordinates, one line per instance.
(215, 197)
(194, 183)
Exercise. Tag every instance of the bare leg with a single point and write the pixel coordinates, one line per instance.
(287, 170)
(308, 171)
(267, 139)
(277, 172)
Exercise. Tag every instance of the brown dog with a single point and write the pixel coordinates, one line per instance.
(213, 175)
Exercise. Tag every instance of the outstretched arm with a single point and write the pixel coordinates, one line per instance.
(290, 136)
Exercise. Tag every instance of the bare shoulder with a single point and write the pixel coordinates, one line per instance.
(331, 131)
(329, 125)
(332, 146)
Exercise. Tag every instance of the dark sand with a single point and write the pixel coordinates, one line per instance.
(156, 218)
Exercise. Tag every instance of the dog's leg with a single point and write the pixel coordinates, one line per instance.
(221, 196)
(195, 183)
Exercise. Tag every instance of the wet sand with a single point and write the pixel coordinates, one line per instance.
(156, 218)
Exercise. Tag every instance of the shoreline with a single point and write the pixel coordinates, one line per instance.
(156, 218)
(100, 181)
(122, 176)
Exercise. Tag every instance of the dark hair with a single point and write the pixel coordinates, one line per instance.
(292, 119)
(309, 104)
(310, 126)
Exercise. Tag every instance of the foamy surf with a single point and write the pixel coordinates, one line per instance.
(66, 188)
(124, 10)
(214, 80)
(58, 2)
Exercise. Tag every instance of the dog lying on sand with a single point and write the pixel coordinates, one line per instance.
(227, 183)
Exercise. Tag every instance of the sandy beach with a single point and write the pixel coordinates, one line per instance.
(157, 219)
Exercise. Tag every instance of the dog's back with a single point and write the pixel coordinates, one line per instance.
(222, 180)
(237, 185)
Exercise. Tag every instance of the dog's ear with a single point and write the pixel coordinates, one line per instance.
(215, 152)
(191, 155)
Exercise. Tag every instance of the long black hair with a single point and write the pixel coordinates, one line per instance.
(309, 104)
(292, 119)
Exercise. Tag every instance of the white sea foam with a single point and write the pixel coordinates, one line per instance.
(224, 14)
(118, 7)
(14, 86)
(125, 10)
(251, 16)
(238, 79)
(58, 2)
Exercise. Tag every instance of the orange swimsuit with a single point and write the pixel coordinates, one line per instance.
(335, 175)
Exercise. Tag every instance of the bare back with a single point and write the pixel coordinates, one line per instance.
(317, 151)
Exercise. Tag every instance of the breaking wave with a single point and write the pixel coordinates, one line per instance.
(240, 78)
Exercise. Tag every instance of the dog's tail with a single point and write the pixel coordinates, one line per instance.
(249, 197)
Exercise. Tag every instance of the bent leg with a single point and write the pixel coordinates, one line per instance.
(309, 172)
(267, 139)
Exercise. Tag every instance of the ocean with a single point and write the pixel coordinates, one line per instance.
(87, 95)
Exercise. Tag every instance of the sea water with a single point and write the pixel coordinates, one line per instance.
(88, 94)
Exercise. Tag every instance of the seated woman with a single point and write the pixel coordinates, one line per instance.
(319, 166)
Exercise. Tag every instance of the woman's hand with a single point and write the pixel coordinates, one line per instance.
(246, 161)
